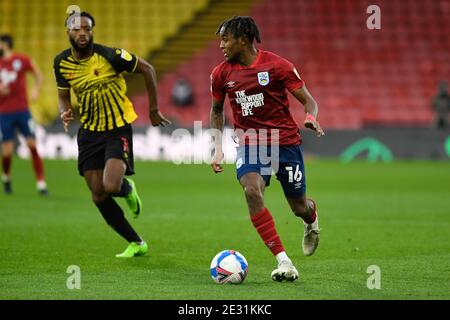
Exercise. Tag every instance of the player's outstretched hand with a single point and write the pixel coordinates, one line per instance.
(157, 119)
(313, 124)
(66, 117)
(215, 163)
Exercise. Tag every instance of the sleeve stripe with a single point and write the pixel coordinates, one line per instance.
(135, 66)
(296, 86)
(64, 88)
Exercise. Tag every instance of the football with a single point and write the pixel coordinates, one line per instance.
(229, 266)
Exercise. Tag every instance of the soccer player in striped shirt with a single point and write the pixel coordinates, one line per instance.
(105, 145)
(256, 83)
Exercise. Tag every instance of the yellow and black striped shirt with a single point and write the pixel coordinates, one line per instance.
(98, 83)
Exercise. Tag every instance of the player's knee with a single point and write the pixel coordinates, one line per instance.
(31, 143)
(111, 187)
(253, 194)
(7, 148)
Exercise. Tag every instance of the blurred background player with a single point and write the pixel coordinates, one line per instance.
(14, 112)
(441, 105)
(105, 142)
(182, 95)
(256, 82)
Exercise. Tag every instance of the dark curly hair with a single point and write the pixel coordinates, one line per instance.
(241, 26)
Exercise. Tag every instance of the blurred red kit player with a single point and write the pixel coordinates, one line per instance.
(14, 112)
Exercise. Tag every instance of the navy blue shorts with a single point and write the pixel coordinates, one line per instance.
(20, 120)
(286, 163)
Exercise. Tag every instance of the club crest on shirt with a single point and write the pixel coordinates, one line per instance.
(263, 78)
(17, 65)
(126, 55)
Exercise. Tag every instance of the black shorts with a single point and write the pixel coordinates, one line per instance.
(95, 148)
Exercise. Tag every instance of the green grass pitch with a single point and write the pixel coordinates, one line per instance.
(395, 216)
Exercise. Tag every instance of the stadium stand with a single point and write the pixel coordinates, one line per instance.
(139, 26)
(360, 77)
(195, 34)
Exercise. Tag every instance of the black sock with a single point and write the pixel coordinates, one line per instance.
(113, 215)
(125, 189)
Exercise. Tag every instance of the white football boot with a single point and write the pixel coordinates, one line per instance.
(311, 236)
(285, 271)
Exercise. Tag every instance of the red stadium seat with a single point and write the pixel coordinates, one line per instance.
(359, 77)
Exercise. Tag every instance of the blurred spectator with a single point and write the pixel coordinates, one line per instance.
(182, 94)
(441, 104)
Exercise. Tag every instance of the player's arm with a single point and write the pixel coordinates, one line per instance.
(65, 107)
(148, 71)
(217, 120)
(4, 90)
(39, 79)
(302, 94)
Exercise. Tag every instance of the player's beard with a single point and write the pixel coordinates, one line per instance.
(235, 58)
(1, 53)
(83, 51)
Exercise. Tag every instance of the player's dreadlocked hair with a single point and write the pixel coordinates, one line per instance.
(80, 14)
(241, 26)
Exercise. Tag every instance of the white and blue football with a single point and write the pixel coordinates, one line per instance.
(229, 266)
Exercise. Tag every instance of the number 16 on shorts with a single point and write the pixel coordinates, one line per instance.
(294, 174)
